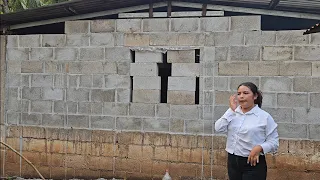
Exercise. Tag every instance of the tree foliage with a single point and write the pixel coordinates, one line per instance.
(18, 5)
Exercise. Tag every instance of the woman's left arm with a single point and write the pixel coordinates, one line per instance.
(271, 143)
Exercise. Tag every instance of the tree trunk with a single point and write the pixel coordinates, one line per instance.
(5, 6)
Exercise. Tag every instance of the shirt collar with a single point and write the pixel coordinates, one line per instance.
(254, 110)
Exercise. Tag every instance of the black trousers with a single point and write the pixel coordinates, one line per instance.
(238, 169)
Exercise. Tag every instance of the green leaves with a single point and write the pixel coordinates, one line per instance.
(18, 5)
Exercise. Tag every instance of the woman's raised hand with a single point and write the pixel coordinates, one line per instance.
(233, 102)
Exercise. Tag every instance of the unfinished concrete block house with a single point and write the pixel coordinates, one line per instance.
(127, 89)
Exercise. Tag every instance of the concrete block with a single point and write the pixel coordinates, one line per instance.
(52, 94)
(100, 95)
(102, 39)
(72, 107)
(181, 97)
(123, 68)
(245, 23)
(13, 118)
(12, 41)
(119, 39)
(233, 68)
(14, 80)
(41, 106)
(31, 119)
(185, 69)
(54, 67)
(182, 56)
(136, 39)
(264, 69)
(260, 38)
(221, 83)
(41, 80)
(315, 39)
(123, 95)
(84, 108)
(315, 69)
(75, 27)
(182, 83)
(209, 69)
(185, 24)
(176, 125)
(221, 53)
(102, 26)
(306, 84)
(90, 54)
(129, 123)
(86, 67)
(53, 40)
(41, 54)
(115, 109)
(59, 107)
(236, 81)
(269, 100)
(277, 53)
(103, 122)
(307, 53)
(146, 96)
(288, 130)
(67, 54)
(219, 111)
(291, 37)
(53, 120)
(85, 81)
(156, 125)
(314, 132)
(77, 40)
(118, 54)
(207, 54)
(128, 25)
(194, 126)
(96, 108)
(206, 113)
(293, 100)
(31, 67)
(208, 97)
(163, 39)
(78, 121)
(14, 105)
(295, 68)
(14, 66)
(110, 68)
(117, 81)
(156, 25)
(77, 94)
(208, 83)
(31, 93)
(214, 24)
(73, 80)
(231, 38)
(314, 100)
(143, 69)
(60, 81)
(151, 83)
(222, 97)
(280, 114)
(148, 57)
(245, 53)
(140, 109)
(97, 81)
(191, 39)
(185, 112)
(306, 116)
(162, 110)
(26, 80)
(17, 54)
(29, 41)
(276, 84)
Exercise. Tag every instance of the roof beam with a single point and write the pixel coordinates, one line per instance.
(249, 10)
(86, 16)
(273, 4)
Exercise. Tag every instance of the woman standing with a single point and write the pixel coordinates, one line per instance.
(251, 133)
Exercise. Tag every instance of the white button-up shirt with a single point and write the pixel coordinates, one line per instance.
(246, 130)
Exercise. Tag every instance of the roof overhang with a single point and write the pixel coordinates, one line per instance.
(313, 29)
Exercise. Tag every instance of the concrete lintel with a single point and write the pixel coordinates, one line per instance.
(173, 14)
(86, 16)
(249, 10)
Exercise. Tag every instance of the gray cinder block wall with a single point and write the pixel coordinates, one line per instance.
(83, 78)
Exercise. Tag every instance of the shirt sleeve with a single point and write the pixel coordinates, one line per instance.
(222, 123)
(272, 138)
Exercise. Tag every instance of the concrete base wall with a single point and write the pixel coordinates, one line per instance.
(75, 153)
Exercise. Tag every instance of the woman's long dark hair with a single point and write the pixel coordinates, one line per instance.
(255, 91)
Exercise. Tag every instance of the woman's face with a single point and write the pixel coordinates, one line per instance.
(246, 98)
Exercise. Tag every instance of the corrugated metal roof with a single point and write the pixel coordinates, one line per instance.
(78, 7)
